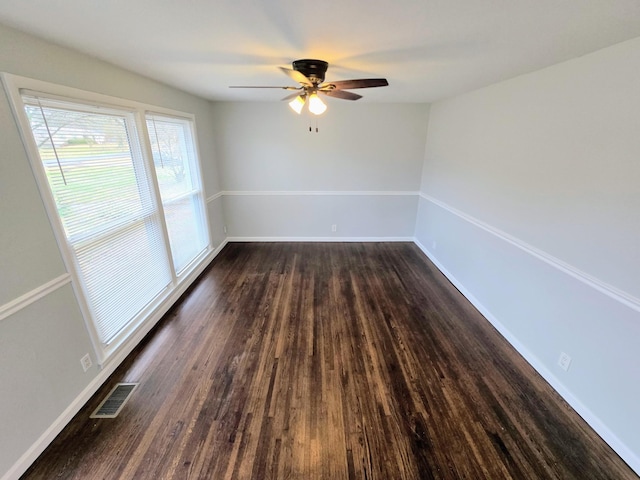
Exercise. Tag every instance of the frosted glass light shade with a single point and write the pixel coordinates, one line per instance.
(316, 106)
(296, 104)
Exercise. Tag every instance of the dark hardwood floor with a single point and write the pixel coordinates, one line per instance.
(303, 361)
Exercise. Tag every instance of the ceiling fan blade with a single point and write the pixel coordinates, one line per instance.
(359, 83)
(343, 94)
(297, 76)
(292, 96)
(260, 86)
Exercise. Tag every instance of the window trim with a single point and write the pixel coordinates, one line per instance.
(14, 87)
(197, 173)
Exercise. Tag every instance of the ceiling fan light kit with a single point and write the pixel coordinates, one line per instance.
(310, 75)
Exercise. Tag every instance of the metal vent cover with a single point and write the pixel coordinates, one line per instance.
(110, 407)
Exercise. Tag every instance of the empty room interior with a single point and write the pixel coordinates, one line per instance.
(427, 267)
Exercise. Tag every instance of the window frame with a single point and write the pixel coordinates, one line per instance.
(196, 174)
(15, 86)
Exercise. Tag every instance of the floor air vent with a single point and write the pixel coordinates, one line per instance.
(110, 407)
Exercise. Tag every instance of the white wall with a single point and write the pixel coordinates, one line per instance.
(43, 339)
(361, 171)
(530, 202)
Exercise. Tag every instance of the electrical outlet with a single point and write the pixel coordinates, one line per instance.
(224, 229)
(334, 228)
(434, 245)
(86, 362)
(564, 361)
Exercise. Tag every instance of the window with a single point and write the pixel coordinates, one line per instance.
(175, 166)
(134, 222)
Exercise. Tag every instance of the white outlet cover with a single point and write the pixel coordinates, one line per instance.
(86, 362)
(564, 361)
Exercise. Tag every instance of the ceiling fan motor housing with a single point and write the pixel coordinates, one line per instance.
(314, 70)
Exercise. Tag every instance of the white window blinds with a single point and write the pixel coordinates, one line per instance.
(92, 160)
(174, 158)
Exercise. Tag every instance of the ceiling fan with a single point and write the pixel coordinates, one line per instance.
(309, 74)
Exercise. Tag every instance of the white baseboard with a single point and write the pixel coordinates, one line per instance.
(320, 239)
(318, 193)
(593, 420)
(30, 456)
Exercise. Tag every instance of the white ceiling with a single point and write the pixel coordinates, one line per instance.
(427, 49)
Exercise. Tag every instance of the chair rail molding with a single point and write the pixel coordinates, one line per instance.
(34, 295)
(603, 287)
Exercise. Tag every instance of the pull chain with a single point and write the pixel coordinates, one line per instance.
(155, 130)
(46, 124)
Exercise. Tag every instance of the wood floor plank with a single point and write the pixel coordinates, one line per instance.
(328, 361)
